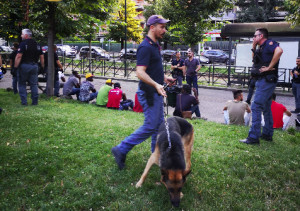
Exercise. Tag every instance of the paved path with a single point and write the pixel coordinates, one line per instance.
(212, 101)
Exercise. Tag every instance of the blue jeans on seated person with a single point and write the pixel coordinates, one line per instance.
(195, 109)
(262, 103)
(28, 73)
(126, 104)
(75, 91)
(154, 116)
(92, 96)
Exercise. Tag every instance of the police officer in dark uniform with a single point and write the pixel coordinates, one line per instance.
(14, 72)
(295, 73)
(177, 67)
(29, 53)
(265, 68)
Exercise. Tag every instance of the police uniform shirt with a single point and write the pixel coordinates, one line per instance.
(267, 51)
(30, 50)
(296, 78)
(181, 63)
(12, 57)
(55, 59)
(148, 54)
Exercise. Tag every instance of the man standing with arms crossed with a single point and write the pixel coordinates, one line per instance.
(150, 93)
(27, 62)
(191, 68)
(269, 53)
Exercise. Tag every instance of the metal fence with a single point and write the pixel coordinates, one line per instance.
(210, 75)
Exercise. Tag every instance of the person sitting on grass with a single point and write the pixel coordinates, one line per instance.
(187, 102)
(237, 112)
(72, 86)
(86, 87)
(102, 97)
(115, 96)
(281, 116)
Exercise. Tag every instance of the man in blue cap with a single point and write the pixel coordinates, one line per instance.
(150, 92)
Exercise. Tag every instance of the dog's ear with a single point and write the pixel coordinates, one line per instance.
(164, 175)
(186, 173)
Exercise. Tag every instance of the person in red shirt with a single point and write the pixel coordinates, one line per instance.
(137, 106)
(115, 96)
(281, 115)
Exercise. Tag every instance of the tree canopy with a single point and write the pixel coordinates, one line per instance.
(117, 25)
(293, 6)
(71, 16)
(257, 11)
(189, 18)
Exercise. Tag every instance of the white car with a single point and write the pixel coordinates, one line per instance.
(65, 50)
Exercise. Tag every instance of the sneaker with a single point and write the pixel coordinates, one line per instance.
(119, 157)
(266, 138)
(250, 141)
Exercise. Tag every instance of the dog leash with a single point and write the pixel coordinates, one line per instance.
(166, 121)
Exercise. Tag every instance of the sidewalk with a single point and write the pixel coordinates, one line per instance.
(212, 100)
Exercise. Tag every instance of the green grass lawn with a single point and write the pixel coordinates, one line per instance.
(56, 156)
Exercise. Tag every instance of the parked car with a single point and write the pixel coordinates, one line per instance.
(217, 56)
(167, 55)
(96, 53)
(65, 50)
(202, 59)
(130, 53)
(5, 49)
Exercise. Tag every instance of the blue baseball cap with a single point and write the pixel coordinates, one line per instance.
(153, 19)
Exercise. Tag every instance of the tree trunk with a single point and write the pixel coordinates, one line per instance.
(192, 48)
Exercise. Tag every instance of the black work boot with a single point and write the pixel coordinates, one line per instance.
(266, 138)
(119, 157)
(250, 141)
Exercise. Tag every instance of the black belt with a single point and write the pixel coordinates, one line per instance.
(34, 63)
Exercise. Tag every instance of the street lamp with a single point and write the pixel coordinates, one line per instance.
(125, 65)
(50, 71)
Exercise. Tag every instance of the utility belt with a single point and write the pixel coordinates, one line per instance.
(32, 63)
(270, 76)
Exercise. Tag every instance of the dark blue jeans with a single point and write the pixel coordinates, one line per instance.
(154, 116)
(75, 91)
(195, 109)
(28, 73)
(296, 93)
(193, 82)
(15, 81)
(262, 103)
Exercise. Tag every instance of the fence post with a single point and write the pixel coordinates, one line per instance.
(229, 67)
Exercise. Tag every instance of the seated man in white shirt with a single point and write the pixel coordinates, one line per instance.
(236, 111)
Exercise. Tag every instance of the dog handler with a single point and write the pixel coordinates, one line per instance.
(150, 92)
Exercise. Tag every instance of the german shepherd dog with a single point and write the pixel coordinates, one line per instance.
(174, 161)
